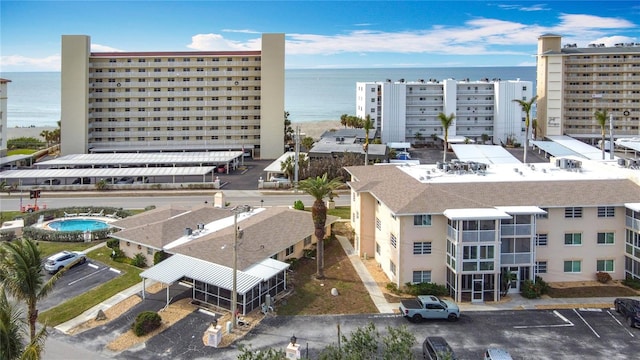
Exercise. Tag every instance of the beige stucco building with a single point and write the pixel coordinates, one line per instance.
(463, 224)
(172, 101)
(573, 82)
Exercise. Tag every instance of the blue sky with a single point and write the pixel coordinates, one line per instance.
(319, 34)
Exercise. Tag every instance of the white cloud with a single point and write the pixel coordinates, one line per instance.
(211, 42)
(242, 31)
(23, 63)
(104, 48)
(534, 7)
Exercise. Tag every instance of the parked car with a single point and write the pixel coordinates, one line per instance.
(125, 180)
(630, 310)
(79, 181)
(58, 261)
(50, 182)
(437, 348)
(141, 180)
(429, 307)
(497, 354)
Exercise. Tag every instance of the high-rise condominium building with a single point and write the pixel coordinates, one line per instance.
(3, 116)
(173, 101)
(408, 111)
(574, 82)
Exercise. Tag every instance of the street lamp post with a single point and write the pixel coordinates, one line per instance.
(237, 236)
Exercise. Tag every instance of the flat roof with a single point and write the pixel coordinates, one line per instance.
(107, 172)
(476, 214)
(585, 150)
(275, 166)
(633, 206)
(209, 157)
(486, 154)
(633, 144)
(554, 149)
(515, 210)
(13, 158)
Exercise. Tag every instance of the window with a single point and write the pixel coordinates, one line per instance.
(377, 248)
(421, 220)
(541, 239)
(572, 266)
(606, 211)
(378, 224)
(541, 267)
(394, 241)
(149, 251)
(573, 212)
(421, 276)
(604, 265)
(422, 248)
(573, 239)
(392, 267)
(289, 250)
(605, 238)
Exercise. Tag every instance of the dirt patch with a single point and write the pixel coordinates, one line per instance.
(575, 306)
(111, 313)
(172, 314)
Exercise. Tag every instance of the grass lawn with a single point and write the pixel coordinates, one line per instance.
(313, 297)
(48, 248)
(21, 152)
(76, 306)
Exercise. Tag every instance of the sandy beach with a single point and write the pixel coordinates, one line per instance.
(312, 129)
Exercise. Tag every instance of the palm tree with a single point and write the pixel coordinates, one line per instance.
(446, 122)
(601, 119)
(344, 119)
(21, 269)
(288, 167)
(319, 188)
(367, 125)
(12, 334)
(526, 107)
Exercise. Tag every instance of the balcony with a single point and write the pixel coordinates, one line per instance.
(516, 229)
(516, 258)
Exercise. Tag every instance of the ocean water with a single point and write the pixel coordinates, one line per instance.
(310, 94)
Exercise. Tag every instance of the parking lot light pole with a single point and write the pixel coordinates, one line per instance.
(237, 236)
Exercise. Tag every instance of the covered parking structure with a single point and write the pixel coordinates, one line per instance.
(68, 175)
(211, 283)
(229, 159)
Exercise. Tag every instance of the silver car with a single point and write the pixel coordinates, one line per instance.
(58, 261)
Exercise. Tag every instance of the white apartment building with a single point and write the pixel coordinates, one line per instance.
(407, 111)
(463, 224)
(3, 115)
(574, 82)
(172, 101)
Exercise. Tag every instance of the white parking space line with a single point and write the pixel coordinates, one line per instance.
(556, 313)
(115, 270)
(86, 276)
(586, 323)
(93, 266)
(619, 323)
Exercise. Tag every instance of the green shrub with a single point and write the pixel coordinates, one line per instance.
(631, 282)
(159, 256)
(533, 290)
(117, 254)
(139, 260)
(393, 288)
(426, 289)
(150, 207)
(298, 205)
(146, 322)
(113, 244)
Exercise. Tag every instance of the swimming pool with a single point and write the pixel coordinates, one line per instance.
(77, 225)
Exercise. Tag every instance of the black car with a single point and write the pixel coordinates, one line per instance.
(79, 181)
(630, 310)
(436, 347)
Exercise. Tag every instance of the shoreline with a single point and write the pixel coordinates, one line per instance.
(311, 128)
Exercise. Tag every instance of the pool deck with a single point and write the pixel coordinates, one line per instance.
(82, 216)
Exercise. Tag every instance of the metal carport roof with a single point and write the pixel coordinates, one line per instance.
(178, 266)
(143, 159)
(107, 172)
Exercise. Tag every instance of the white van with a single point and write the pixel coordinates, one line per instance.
(496, 354)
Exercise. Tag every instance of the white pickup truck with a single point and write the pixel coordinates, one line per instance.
(429, 307)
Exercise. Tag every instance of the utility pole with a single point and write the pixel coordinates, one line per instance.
(611, 145)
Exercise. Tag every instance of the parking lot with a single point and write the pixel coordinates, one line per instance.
(77, 280)
(525, 334)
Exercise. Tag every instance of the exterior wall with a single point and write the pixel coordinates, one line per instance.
(131, 249)
(589, 225)
(272, 95)
(385, 253)
(365, 207)
(173, 101)
(509, 117)
(393, 126)
(74, 92)
(367, 102)
(3, 115)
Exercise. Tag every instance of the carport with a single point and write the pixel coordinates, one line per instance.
(212, 283)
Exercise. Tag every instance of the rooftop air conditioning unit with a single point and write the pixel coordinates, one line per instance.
(188, 231)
